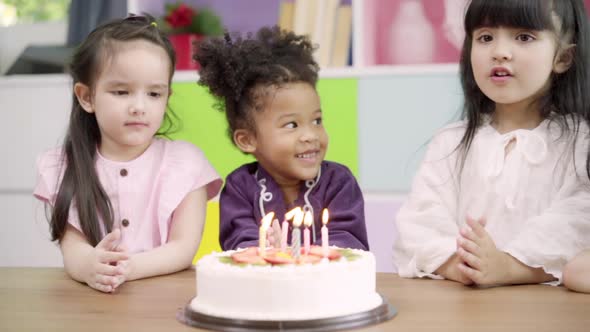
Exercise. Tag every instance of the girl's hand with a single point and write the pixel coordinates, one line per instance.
(103, 272)
(125, 267)
(450, 270)
(483, 262)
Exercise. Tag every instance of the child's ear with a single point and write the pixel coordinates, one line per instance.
(564, 59)
(245, 140)
(83, 94)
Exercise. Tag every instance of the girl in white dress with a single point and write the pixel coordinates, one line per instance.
(503, 197)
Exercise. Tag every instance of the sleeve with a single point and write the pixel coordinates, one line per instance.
(238, 227)
(200, 171)
(346, 206)
(554, 237)
(186, 169)
(427, 221)
(50, 169)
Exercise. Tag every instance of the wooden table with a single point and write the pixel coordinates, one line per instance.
(46, 299)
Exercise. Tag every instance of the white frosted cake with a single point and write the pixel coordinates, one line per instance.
(326, 288)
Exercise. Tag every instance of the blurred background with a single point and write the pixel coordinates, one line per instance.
(38, 36)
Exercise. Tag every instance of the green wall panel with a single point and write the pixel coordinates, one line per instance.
(339, 108)
(206, 127)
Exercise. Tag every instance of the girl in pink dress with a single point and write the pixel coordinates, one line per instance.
(125, 203)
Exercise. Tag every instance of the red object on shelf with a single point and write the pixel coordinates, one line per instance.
(185, 45)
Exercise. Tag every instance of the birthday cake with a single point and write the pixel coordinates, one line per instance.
(276, 287)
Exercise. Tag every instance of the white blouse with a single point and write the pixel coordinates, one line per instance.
(535, 198)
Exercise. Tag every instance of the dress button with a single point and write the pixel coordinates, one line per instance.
(125, 222)
(123, 172)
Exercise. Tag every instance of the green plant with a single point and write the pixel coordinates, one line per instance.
(182, 18)
(30, 11)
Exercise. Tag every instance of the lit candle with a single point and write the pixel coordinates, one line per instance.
(276, 233)
(325, 232)
(307, 221)
(285, 227)
(262, 232)
(296, 235)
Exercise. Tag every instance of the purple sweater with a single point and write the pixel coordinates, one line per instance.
(334, 188)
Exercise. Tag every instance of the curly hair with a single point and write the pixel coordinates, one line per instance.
(240, 72)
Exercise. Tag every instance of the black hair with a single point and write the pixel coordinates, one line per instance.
(80, 184)
(569, 92)
(239, 70)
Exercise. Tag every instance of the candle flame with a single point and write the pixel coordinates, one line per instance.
(308, 219)
(325, 216)
(298, 218)
(267, 220)
(291, 214)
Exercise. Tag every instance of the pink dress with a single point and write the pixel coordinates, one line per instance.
(144, 192)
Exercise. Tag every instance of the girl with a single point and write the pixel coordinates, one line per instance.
(266, 84)
(502, 197)
(124, 204)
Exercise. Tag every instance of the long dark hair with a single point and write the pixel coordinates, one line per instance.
(569, 93)
(80, 184)
(237, 70)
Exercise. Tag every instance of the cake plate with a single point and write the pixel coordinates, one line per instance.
(374, 316)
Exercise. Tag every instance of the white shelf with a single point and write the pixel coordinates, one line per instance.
(353, 72)
(32, 80)
(187, 76)
(390, 70)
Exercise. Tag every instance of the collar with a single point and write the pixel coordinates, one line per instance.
(268, 186)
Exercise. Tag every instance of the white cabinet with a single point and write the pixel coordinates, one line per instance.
(34, 110)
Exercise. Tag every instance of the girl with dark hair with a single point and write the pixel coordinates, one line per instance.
(125, 204)
(266, 84)
(502, 197)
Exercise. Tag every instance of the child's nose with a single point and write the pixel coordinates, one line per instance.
(309, 134)
(137, 105)
(502, 51)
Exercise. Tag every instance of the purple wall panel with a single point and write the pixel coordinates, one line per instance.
(380, 215)
(237, 15)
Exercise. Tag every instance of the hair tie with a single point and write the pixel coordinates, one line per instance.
(154, 24)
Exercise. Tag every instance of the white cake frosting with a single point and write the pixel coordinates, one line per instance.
(286, 292)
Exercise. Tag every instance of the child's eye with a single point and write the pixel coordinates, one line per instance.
(154, 94)
(119, 92)
(317, 121)
(291, 125)
(524, 37)
(485, 38)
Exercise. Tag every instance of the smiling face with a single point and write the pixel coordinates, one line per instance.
(129, 98)
(289, 141)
